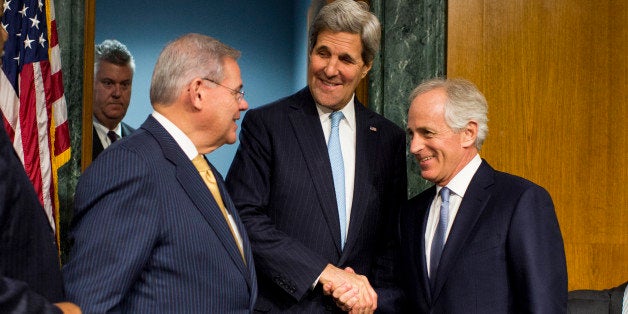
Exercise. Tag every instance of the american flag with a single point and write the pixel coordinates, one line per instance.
(31, 96)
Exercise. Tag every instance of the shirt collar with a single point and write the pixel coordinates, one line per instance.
(183, 140)
(348, 111)
(103, 129)
(461, 181)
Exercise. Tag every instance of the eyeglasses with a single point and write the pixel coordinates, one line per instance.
(239, 95)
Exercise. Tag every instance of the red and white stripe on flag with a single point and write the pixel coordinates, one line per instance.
(32, 98)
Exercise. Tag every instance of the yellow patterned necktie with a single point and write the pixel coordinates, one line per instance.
(208, 176)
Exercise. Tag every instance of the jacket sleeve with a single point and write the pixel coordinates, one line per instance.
(115, 228)
(16, 297)
(287, 262)
(536, 255)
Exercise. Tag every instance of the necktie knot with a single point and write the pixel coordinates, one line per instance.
(113, 136)
(336, 116)
(200, 163)
(444, 194)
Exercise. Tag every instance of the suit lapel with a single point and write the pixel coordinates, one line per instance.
(191, 181)
(365, 155)
(125, 129)
(473, 204)
(246, 245)
(421, 206)
(309, 133)
(413, 223)
(97, 147)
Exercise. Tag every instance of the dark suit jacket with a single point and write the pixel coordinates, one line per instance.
(504, 253)
(97, 146)
(281, 182)
(597, 301)
(29, 262)
(150, 238)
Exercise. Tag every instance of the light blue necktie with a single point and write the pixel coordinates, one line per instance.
(439, 236)
(338, 171)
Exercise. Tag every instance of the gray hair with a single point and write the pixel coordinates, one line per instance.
(113, 51)
(182, 60)
(465, 103)
(352, 17)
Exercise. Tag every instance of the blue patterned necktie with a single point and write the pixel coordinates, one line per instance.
(439, 236)
(338, 171)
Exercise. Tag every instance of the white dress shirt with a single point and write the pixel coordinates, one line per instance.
(102, 130)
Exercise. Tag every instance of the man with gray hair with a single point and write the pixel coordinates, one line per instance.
(113, 79)
(479, 240)
(318, 179)
(160, 234)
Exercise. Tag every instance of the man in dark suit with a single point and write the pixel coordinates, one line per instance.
(151, 237)
(30, 273)
(113, 79)
(283, 183)
(480, 240)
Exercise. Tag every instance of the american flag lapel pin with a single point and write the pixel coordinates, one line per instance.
(372, 128)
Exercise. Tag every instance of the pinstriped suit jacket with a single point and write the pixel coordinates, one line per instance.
(281, 183)
(149, 237)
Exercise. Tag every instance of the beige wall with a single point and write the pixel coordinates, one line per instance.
(555, 74)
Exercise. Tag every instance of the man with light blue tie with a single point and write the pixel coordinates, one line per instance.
(479, 240)
(318, 179)
(338, 172)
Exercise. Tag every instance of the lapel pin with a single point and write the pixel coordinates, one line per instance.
(374, 129)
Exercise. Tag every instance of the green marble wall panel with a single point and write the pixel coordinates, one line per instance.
(70, 26)
(412, 50)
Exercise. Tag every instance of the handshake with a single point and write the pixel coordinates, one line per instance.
(352, 292)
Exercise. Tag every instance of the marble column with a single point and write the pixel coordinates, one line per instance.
(412, 50)
(70, 25)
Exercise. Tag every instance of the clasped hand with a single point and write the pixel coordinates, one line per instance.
(351, 292)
